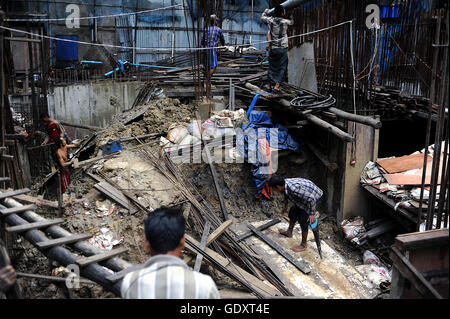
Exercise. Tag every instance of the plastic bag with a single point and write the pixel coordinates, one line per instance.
(209, 129)
(194, 129)
(353, 228)
(370, 258)
(374, 273)
(177, 133)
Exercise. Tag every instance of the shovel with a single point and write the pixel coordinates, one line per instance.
(315, 230)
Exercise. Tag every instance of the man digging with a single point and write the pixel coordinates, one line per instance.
(304, 194)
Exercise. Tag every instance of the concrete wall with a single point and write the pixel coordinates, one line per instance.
(354, 201)
(92, 104)
(301, 67)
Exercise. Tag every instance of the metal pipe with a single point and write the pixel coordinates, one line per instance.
(289, 5)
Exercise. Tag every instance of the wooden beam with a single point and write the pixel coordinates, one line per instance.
(257, 284)
(62, 241)
(17, 210)
(301, 265)
(83, 262)
(356, 118)
(119, 275)
(87, 127)
(4, 179)
(37, 201)
(311, 118)
(218, 231)
(198, 260)
(331, 166)
(51, 278)
(36, 225)
(14, 193)
(410, 272)
(260, 228)
(329, 127)
(216, 183)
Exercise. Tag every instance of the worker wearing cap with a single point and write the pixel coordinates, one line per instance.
(211, 38)
(278, 45)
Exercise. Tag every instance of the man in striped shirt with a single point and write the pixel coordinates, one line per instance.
(278, 45)
(165, 275)
(210, 39)
(304, 194)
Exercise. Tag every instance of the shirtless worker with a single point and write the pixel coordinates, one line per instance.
(304, 194)
(278, 57)
(62, 161)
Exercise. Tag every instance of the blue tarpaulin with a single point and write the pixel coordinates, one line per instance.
(67, 51)
(260, 123)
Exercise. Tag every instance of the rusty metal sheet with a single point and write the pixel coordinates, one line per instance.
(403, 163)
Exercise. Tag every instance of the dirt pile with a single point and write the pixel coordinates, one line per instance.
(157, 118)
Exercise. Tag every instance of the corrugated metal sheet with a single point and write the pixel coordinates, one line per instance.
(237, 16)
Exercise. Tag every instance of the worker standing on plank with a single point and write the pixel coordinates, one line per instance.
(211, 38)
(304, 194)
(165, 275)
(278, 46)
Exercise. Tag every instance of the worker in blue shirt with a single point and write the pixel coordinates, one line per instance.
(211, 38)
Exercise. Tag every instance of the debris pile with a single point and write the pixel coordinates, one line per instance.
(399, 178)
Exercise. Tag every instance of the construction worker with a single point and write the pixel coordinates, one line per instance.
(52, 128)
(211, 38)
(304, 194)
(61, 159)
(278, 46)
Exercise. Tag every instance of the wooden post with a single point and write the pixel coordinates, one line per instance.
(60, 208)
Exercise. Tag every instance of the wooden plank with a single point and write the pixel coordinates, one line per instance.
(36, 225)
(429, 238)
(52, 278)
(218, 231)
(198, 260)
(403, 163)
(103, 188)
(253, 76)
(112, 192)
(83, 262)
(62, 241)
(119, 275)
(301, 265)
(37, 201)
(17, 210)
(410, 272)
(4, 179)
(264, 288)
(260, 228)
(14, 193)
(216, 183)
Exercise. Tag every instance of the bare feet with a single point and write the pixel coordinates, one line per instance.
(286, 233)
(277, 87)
(299, 248)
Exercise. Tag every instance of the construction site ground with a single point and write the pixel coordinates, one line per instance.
(88, 211)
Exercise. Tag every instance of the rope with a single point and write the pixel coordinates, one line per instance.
(164, 48)
(96, 17)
